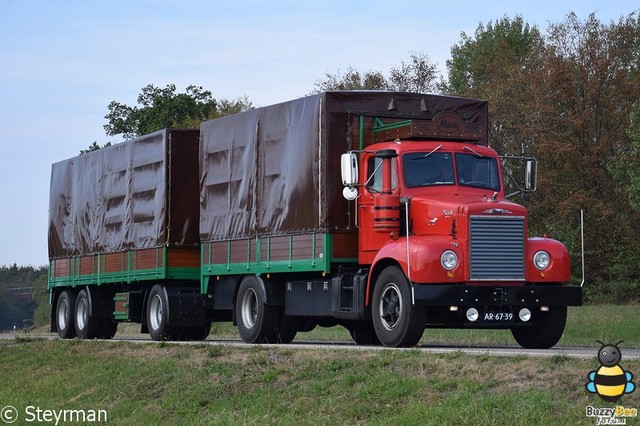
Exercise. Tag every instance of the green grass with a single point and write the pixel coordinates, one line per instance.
(162, 383)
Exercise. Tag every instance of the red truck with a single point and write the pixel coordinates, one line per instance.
(383, 212)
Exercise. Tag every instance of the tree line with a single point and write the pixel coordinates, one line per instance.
(24, 302)
(568, 95)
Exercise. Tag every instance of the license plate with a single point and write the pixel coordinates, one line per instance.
(497, 316)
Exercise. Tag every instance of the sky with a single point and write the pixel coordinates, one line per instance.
(62, 63)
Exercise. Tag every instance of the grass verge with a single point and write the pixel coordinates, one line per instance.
(160, 383)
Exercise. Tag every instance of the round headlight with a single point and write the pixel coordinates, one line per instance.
(449, 260)
(541, 260)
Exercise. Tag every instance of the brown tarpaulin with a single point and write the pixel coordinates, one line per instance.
(276, 170)
(137, 194)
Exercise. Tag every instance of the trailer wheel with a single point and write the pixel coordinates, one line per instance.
(65, 309)
(545, 331)
(257, 321)
(157, 309)
(189, 333)
(87, 326)
(108, 329)
(201, 332)
(397, 322)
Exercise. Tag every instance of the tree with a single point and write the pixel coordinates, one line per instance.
(567, 99)
(94, 147)
(628, 166)
(228, 107)
(351, 80)
(418, 75)
(160, 108)
(590, 89)
(16, 300)
(499, 65)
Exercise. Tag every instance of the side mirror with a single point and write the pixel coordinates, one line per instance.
(349, 170)
(530, 175)
(349, 167)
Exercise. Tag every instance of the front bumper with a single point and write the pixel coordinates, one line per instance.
(496, 296)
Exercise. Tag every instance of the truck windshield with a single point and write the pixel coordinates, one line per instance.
(437, 168)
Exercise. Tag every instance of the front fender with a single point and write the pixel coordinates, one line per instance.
(424, 259)
(559, 270)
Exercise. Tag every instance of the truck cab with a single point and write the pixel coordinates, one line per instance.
(446, 247)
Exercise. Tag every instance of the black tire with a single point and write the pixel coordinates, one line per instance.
(108, 329)
(157, 310)
(86, 325)
(65, 311)
(287, 328)
(189, 333)
(364, 335)
(257, 321)
(201, 332)
(397, 322)
(545, 331)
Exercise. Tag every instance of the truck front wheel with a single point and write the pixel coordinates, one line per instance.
(397, 322)
(545, 331)
(257, 321)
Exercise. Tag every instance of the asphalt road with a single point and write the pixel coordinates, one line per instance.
(571, 352)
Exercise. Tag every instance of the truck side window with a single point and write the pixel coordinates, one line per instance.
(374, 175)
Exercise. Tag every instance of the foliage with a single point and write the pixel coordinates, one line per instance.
(590, 83)
(419, 74)
(16, 302)
(160, 108)
(499, 65)
(567, 99)
(94, 147)
(351, 80)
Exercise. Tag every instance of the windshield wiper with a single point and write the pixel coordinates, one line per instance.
(474, 152)
(428, 154)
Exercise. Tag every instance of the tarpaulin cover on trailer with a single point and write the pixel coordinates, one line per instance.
(137, 194)
(276, 169)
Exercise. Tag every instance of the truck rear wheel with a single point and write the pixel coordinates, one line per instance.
(397, 322)
(257, 321)
(545, 331)
(65, 310)
(157, 310)
(87, 326)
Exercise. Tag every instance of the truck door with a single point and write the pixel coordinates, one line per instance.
(375, 170)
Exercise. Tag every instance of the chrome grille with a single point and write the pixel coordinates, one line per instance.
(496, 248)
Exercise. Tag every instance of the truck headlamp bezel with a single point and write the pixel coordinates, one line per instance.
(449, 260)
(541, 260)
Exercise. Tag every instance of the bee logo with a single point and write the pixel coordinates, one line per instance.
(610, 381)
